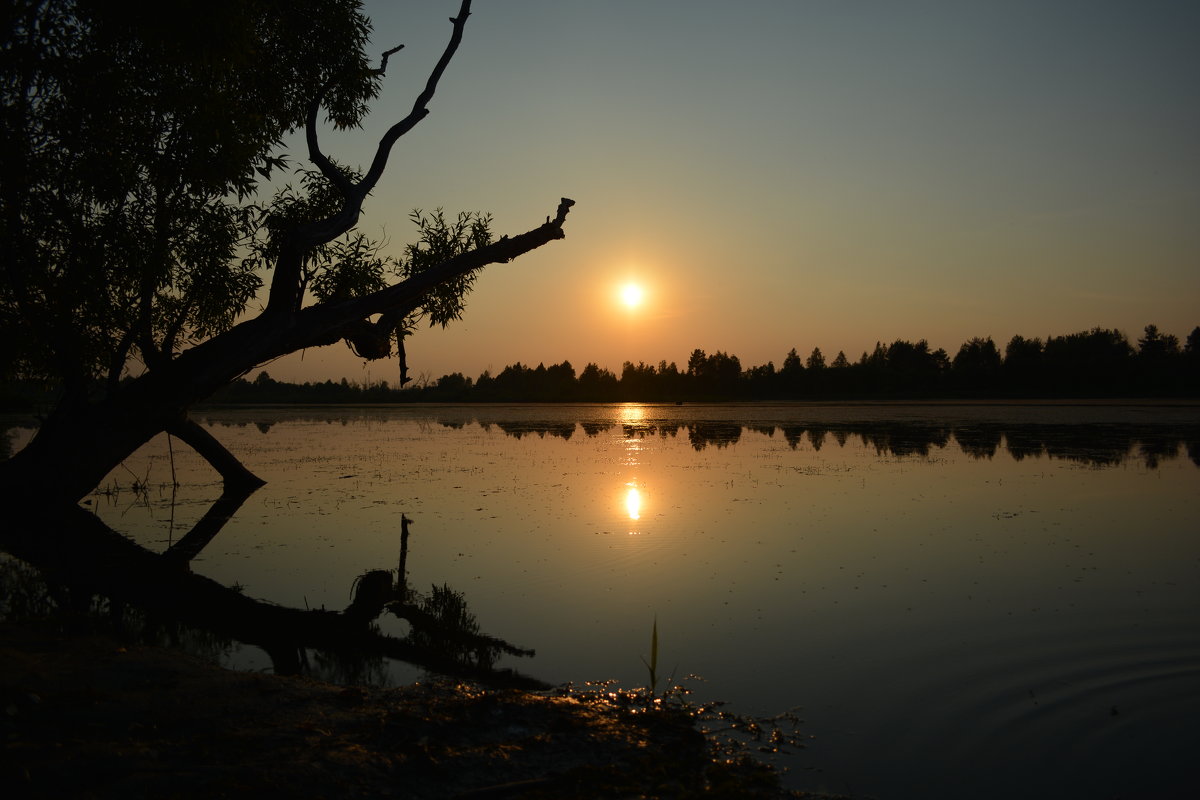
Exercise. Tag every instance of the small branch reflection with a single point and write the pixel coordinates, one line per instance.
(86, 565)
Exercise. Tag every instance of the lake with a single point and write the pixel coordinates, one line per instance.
(959, 600)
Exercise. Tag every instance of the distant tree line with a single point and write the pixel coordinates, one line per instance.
(1094, 363)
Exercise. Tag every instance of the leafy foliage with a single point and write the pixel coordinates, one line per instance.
(131, 142)
(353, 268)
(441, 240)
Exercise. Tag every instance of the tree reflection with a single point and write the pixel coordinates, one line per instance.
(440, 619)
(563, 430)
(1095, 445)
(86, 566)
(1092, 444)
(717, 433)
(979, 441)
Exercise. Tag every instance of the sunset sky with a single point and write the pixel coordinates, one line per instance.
(794, 173)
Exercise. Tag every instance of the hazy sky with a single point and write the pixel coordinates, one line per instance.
(795, 173)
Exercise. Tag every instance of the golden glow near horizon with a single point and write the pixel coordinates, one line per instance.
(891, 220)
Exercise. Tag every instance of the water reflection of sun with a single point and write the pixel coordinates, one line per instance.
(632, 413)
(633, 503)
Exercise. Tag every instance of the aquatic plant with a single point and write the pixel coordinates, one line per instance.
(652, 664)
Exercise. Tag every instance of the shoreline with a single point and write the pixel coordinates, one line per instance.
(140, 721)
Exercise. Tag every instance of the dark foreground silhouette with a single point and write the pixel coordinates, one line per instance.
(1094, 363)
(141, 721)
(83, 558)
(137, 722)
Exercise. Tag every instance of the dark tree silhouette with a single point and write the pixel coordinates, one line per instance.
(133, 142)
(1159, 369)
(1023, 366)
(1098, 361)
(976, 367)
(597, 384)
(1158, 361)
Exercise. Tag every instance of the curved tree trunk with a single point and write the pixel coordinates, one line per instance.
(82, 442)
(235, 474)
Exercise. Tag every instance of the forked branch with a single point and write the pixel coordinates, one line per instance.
(285, 285)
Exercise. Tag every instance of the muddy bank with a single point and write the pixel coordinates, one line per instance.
(87, 716)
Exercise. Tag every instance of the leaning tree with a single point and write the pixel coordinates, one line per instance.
(133, 239)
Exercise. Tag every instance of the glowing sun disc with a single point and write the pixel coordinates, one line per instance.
(632, 295)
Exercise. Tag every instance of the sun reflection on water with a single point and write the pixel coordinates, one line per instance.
(633, 503)
(631, 413)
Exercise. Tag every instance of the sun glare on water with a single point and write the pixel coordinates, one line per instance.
(633, 503)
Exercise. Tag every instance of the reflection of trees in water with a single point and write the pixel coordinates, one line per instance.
(563, 430)
(1024, 443)
(86, 566)
(1099, 445)
(765, 430)
(1096, 444)
(644, 430)
(1154, 451)
(27, 596)
(719, 434)
(439, 621)
(979, 441)
(905, 440)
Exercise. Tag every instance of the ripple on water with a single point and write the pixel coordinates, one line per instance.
(1078, 713)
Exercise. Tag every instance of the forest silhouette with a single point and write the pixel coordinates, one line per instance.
(1095, 363)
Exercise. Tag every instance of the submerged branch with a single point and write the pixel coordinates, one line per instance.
(72, 545)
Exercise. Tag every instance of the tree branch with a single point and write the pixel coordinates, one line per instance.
(420, 108)
(330, 170)
(237, 478)
(401, 298)
(285, 283)
(323, 162)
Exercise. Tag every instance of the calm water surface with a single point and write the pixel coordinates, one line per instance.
(960, 600)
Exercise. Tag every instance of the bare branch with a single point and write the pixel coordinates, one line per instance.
(330, 170)
(285, 285)
(386, 55)
(323, 162)
(420, 108)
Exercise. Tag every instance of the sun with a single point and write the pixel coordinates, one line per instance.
(632, 295)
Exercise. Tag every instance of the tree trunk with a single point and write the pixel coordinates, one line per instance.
(82, 442)
(238, 479)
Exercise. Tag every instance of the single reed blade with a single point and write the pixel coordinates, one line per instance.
(652, 665)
